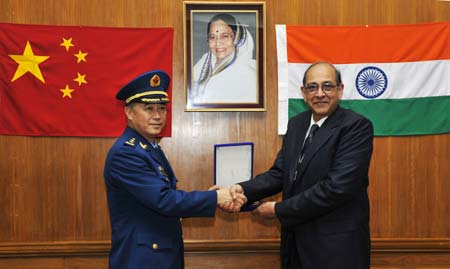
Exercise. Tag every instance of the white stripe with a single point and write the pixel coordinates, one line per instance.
(282, 76)
(405, 80)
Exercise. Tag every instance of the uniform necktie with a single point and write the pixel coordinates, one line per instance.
(306, 144)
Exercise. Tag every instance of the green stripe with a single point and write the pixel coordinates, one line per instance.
(395, 117)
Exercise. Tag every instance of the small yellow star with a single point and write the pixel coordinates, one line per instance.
(81, 56)
(80, 79)
(67, 92)
(67, 43)
(28, 62)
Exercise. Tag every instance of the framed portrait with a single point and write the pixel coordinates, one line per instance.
(224, 56)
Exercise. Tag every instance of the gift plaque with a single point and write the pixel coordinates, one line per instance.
(233, 163)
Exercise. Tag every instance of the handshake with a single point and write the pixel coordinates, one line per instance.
(231, 199)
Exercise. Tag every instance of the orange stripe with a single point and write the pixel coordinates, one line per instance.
(361, 44)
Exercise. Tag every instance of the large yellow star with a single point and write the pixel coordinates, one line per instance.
(67, 43)
(81, 56)
(80, 79)
(28, 62)
(67, 92)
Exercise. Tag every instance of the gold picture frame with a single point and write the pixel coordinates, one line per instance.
(224, 56)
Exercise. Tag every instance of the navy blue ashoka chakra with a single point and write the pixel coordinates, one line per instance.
(371, 82)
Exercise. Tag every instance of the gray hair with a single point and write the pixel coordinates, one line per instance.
(337, 72)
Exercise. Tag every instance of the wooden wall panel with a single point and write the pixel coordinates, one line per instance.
(409, 187)
(52, 190)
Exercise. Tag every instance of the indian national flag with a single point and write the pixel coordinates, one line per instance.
(398, 76)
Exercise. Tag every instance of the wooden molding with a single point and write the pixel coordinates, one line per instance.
(88, 248)
(411, 245)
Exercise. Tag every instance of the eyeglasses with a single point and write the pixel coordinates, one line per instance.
(327, 87)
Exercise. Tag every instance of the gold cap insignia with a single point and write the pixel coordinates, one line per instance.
(155, 81)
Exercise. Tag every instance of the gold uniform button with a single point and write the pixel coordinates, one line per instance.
(155, 246)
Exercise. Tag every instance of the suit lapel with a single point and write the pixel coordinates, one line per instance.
(299, 137)
(322, 135)
(170, 172)
(165, 168)
(157, 156)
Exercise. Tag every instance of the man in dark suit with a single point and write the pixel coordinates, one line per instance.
(323, 175)
(144, 205)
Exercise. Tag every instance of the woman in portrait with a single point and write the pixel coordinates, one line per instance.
(227, 72)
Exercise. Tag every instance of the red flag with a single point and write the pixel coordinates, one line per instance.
(62, 80)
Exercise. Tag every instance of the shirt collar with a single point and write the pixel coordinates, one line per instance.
(320, 122)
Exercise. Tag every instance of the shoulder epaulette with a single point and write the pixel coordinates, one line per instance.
(131, 142)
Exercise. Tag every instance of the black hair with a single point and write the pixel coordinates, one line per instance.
(227, 18)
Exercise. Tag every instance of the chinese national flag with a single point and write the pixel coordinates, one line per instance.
(62, 80)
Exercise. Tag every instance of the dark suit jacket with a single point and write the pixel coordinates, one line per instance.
(326, 210)
(145, 207)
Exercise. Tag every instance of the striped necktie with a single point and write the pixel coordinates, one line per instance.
(306, 144)
(308, 140)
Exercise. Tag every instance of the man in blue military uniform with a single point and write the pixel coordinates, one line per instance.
(144, 205)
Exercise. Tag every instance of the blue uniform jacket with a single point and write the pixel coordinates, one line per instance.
(145, 207)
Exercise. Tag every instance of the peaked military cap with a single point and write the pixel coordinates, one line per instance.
(150, 87)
